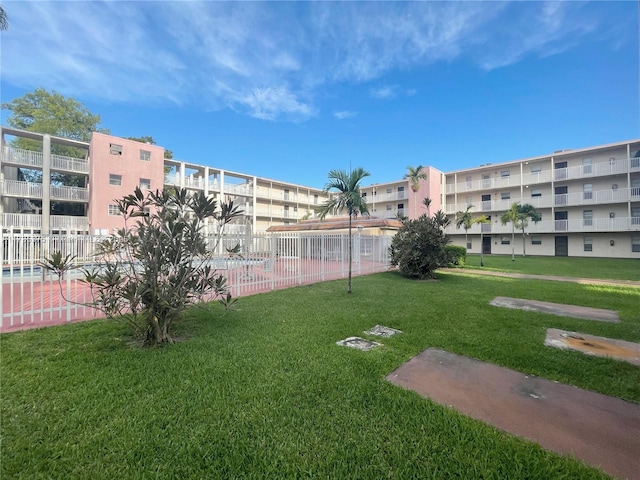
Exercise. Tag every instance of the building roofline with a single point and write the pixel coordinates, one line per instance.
(16, 132)
(556, 154)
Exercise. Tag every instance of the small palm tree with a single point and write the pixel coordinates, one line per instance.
(348, 197)
(519, 216)
(482, 219)
(465, 219)
(427, 203)
(415, 174)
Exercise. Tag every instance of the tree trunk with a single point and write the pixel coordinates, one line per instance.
(481, 247)
(513, 242)
(350, 241)
(524, 251)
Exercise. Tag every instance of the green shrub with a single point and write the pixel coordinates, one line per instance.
(418, 248)
(455, 256)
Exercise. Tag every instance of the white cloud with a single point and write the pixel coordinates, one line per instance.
(270, 60)
(344, 114)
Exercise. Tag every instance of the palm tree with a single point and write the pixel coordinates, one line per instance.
(348, 197)
(427, 203)
(415, 175)
(464, 219)
(4, 20)
(527, 212)
(511, 215)
(482, 219)
(519, 216)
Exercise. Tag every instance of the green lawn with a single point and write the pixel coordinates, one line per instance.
(264, 391)
(604, 268)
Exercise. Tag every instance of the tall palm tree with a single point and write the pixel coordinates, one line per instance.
(348, 197)
(465, 219)
(482, 219)
(527, 212)
(519, 216)
(512, 216)
(415, 174)
(4, 19)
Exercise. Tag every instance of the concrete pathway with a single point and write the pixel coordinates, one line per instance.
(586, 281)
(602, 431)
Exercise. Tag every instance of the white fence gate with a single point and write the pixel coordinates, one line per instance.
(31, 296)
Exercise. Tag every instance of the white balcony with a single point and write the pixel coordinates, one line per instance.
(386, 197)
(14, 188)
(598, 169)
(34, 222)
(577, 225)
(33, 159)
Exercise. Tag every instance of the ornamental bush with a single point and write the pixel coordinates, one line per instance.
(419, 247)
(455, 256)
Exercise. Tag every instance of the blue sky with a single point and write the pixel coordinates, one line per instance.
(291, 90)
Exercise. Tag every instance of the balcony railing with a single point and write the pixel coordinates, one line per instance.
(14, 188)
(577, 225)
(34, 222)
(598, 169)
(33, 159)
(386, 197)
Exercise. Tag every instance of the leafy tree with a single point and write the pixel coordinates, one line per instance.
(482, 219)
(150, 272)
(415, 174)
(519, 216)
(441, 219)
(49, 112)
(419, 247)
(465, 219)
(348, 197)
(4, 19)
(168, 154)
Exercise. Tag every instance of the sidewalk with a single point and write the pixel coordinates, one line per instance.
(555, 278)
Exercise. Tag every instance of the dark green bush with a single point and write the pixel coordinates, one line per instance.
(418, 248)
(455, 256)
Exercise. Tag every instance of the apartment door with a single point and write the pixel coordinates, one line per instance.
(561, 170)
(561, 195)
(486, 245)
(562, 246)
(562, 220)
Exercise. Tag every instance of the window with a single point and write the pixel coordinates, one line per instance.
(315, 199)
(145, 155)
(635, 243)
(388, 208)
(587, 191)
(114, 210)
(286, 194)
(536, 168)
(401, 206)
(389, 190)
(588, 244)
(469, 246)
(505, 195)
(586, 165)
(468, 200)
(115, 179)
(468, 181)
(587, 218)
(505, 173)
(536, 193)
(536, 241)
(400, 192)
(145, 184)
(364, 194)
(635, 215)
(115, 149)
(505, 241)
(614, 186)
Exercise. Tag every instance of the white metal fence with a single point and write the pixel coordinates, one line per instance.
(31, 296)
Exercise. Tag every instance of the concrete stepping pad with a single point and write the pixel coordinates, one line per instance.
(359, 343)
(602, 431)
(592, 345)
(382, 331)
(585, 313)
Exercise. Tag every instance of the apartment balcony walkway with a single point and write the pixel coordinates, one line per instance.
(34, 160)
